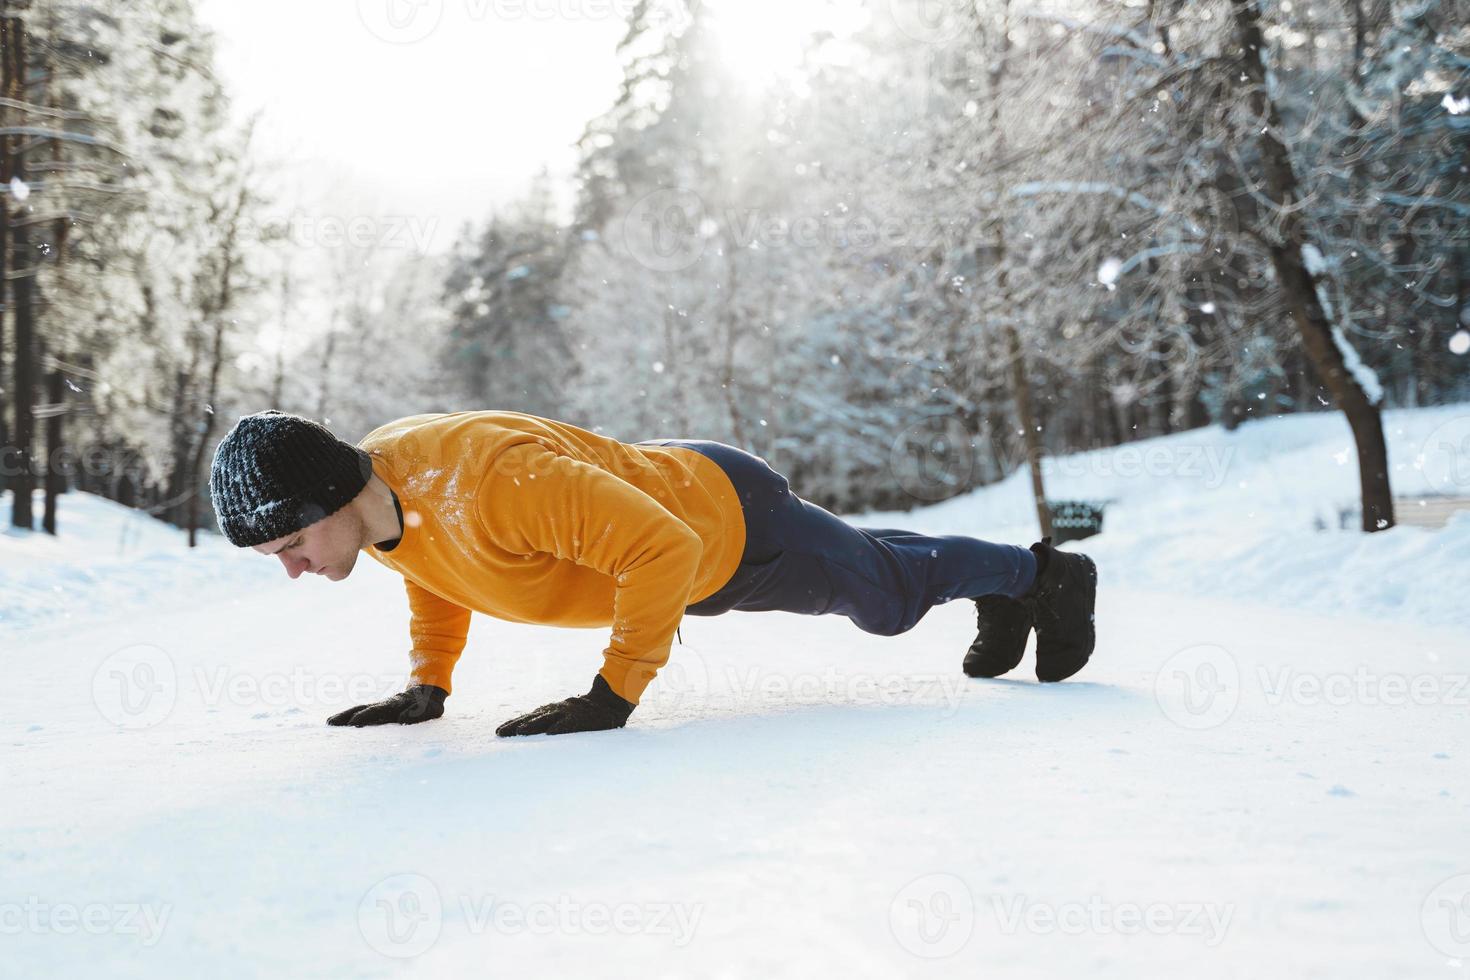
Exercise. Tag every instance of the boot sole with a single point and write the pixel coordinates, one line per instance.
(1004, 654)
(1055, 672)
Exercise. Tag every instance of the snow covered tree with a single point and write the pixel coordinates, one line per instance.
(137, 233)
(1222, 155)
(506, 346)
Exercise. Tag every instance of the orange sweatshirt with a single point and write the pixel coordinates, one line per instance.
(537, 521)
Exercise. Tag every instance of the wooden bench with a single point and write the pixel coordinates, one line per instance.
(1428, 510)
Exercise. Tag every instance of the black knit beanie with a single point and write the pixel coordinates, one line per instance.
(276, 473)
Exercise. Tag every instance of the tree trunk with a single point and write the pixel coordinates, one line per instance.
(219, 308)
(278, 375)
(1030, 437)
(731, 331)
(1299, 287)
(55, 479)
(18, 270)
(1020, 385)
(7, 460)
(328, 349)
(180, 419)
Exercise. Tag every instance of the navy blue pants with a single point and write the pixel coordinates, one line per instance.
(801, 558)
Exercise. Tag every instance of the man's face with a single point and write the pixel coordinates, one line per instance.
(329, 547)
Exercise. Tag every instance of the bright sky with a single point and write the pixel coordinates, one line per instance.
(433, 111)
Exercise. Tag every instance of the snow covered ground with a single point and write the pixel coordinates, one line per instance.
(1262, 773)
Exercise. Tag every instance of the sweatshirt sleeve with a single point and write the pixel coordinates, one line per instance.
(438, 629)
(536, 500)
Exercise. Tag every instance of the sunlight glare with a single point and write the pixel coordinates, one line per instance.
(765, 41)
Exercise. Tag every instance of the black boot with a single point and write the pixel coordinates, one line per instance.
(1004, 625)
(1061, 605)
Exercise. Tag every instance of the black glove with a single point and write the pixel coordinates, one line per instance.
(594, 711)
(421, 702)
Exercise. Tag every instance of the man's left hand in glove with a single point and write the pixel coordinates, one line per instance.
(594, 711)
(421, 702)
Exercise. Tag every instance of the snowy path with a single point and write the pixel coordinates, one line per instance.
(795, 798)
